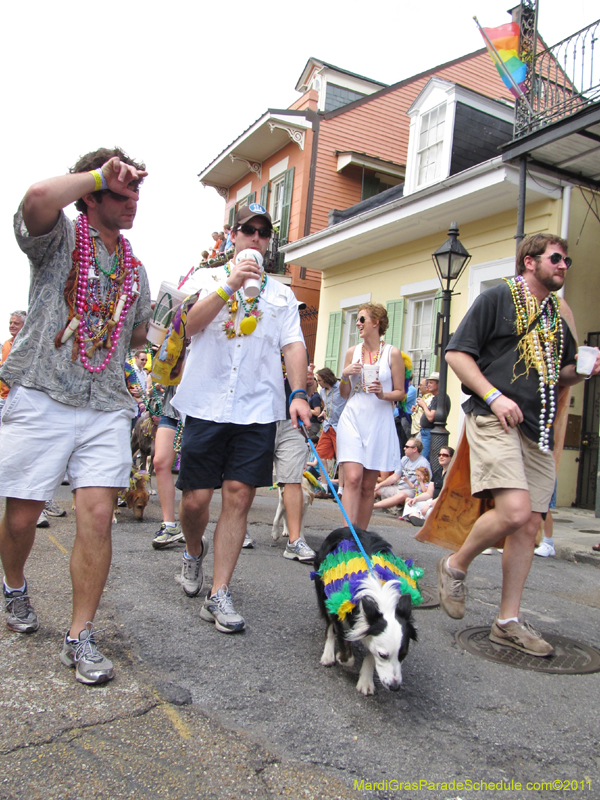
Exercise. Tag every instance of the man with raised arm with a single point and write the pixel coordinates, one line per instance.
(511, 351)
(232, 394)
(68, 408)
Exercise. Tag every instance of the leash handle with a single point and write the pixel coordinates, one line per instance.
(337, 499)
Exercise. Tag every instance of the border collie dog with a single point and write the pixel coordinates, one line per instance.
(358, 606)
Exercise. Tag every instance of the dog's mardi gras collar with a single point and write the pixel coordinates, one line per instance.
(344, 568)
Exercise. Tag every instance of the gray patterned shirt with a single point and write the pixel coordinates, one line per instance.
(34, 361)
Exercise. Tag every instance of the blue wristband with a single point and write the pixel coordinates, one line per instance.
(298, 391)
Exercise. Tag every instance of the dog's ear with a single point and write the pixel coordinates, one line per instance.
(404, 613)
(374, 617)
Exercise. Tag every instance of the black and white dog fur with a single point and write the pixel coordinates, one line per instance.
(382, 620)
(280, 520)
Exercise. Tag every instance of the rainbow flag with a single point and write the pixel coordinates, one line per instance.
(503, 46)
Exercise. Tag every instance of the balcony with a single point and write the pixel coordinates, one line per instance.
(565, 80)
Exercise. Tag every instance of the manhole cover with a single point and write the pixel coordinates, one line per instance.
(431, 598)
(570, 657)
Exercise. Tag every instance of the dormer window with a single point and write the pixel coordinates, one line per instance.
(431, 143)
(451, 129)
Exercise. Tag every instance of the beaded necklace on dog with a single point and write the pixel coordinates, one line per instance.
(96, 320)
(252, 315)
(540, 347)
(343, 570)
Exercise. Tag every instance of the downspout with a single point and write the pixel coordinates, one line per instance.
(564, 221)
(521, 207)
(315, 118)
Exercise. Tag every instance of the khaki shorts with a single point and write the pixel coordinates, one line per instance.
(291, 453)
(510, 460)
(390, 491)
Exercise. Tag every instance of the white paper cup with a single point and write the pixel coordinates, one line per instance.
(252, 285)
(586, 358)
(168, 301)
(156, 333)
(370, 373)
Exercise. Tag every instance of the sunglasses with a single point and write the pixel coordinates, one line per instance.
(250, 230)
(120, 198)
(362, 320)
(444, 455)
(409, 447)
(556, 258)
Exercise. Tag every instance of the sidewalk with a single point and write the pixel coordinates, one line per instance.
(575, 531)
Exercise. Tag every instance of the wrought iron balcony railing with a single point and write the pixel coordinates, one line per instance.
(564, 80)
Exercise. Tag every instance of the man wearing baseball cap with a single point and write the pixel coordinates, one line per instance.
(429, 409)
(232, 394)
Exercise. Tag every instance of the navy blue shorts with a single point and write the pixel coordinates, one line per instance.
(213, 452)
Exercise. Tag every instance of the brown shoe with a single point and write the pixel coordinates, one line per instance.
(451, 587)
(522, 636)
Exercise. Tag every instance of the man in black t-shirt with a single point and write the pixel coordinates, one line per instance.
(510, 352)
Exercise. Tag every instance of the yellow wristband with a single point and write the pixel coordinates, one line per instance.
(97, 178)
(491, 391)
(222, 294)
(344, 380)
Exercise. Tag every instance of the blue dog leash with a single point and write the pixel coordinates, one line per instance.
(337, 499)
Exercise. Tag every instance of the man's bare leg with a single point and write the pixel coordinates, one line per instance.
(164, 456)
(511, 512)
(17, 535)
(92, 552)
(516, 564)
(395, 500)
(293, 500)
(230, 531)
(193, 516)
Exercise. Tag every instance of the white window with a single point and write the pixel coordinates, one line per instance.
(277, 199)
(419, 333)
(431, 145)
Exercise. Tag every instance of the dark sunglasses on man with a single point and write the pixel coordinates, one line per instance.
(556, 258)
(250, 230)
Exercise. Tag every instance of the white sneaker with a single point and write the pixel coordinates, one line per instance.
(42, 521)
(545, 549)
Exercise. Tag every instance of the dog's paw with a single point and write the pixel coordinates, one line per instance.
(114, 520)
(348, 663)
(365, 686)
(327, 660)
(274, 535)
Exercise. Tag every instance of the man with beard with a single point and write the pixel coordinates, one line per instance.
(511, 351)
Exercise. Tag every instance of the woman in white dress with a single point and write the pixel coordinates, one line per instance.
(367, 442)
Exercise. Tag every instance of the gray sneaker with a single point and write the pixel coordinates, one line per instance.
(42, 521)
(299, 551)
(192, 574)
(91, 666)
(20, 616)
(522, 636)
(248, 542)
(219, 609)
(451, 587)
(168, 534)
(52, 509)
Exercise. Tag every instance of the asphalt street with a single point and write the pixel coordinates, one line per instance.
(196, 713)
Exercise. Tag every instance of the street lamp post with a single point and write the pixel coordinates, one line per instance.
(450, 261)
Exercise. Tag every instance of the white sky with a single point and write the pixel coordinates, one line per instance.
(174, 84)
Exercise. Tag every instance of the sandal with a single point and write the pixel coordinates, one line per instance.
(596, 547)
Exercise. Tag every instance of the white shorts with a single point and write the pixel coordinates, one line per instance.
(41, 439)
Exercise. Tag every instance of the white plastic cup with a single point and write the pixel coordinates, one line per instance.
(370, 373)
(156, 333)
(168, 301)
(586, 358)
(252, 285)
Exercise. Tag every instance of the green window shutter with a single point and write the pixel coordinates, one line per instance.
(437, 309)
(395, 331)
(251, 197)
(286, 206)
(334, 339)
(371, 186)
(264, 196)
(231, 215)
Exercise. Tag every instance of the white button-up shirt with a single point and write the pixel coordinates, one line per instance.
(239, 379)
